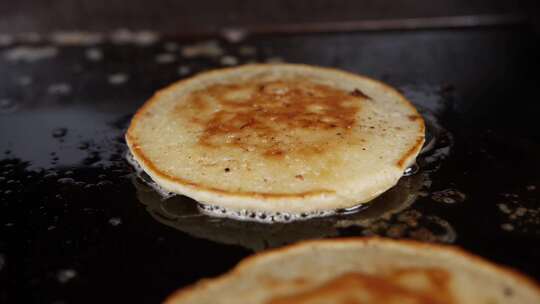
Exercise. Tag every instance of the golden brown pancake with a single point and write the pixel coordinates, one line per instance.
(277, 138)
(363, 271)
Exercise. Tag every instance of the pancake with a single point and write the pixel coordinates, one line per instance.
(363, 270)
(280, 138)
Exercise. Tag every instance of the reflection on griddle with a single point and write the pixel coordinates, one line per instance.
(181, 213)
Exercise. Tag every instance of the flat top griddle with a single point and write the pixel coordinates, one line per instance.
(78, 226)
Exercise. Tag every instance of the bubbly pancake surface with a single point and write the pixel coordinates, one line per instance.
(277, 138)
(363, 271)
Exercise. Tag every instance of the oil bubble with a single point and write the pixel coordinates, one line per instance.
(115, 221)
(7, 105)
(448, 196)
(66, 275)
(66, 180)
(413, 169)
(59, 132)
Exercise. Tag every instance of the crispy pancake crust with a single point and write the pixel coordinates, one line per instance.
(363, 270)
(277, 138)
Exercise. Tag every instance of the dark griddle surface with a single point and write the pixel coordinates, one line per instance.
(72, 229)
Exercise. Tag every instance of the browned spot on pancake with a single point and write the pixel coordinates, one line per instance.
(419, 286)
(412, 151)
(199, 104)
(359, 93)
(273, 117)
(274, 152)
(414, 117)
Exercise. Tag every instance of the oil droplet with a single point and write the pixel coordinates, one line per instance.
(115, 221)
(24, 80)
(413, 169)
(66, 275)
(104, 183)
(165, 58)
(183, 70)
(83, 146)
(229, 60)
(59, 89)
(234, 35)
(448, 196)
(118, 78)
(51, 174)
(59, 132)
(352, 209)
(7, 105)
(170, 46)
(247, 50)
(94, 54)
(507, 227)
(66, 180)
(6, 40)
